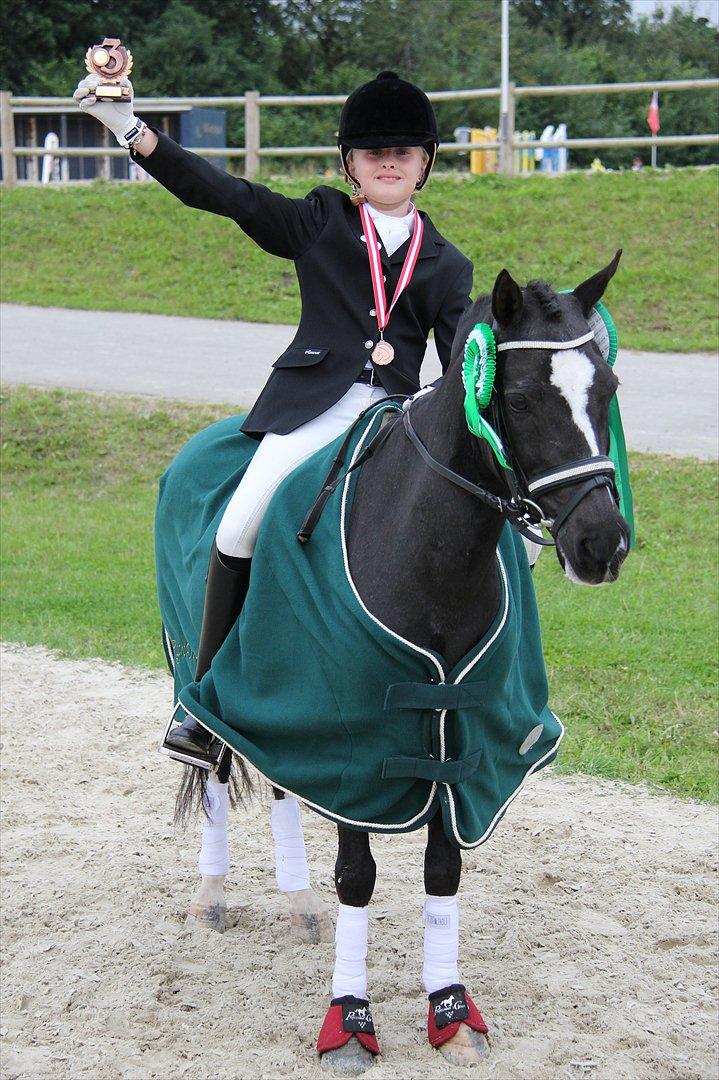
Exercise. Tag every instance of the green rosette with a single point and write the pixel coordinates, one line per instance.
(618, 454)
(478, 372)
(605, 333)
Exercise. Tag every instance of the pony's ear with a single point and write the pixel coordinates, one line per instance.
(593, 288)
(507, 299)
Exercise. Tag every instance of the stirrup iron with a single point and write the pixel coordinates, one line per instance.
(211, 761)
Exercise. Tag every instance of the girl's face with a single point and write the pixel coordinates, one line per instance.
(388, 176)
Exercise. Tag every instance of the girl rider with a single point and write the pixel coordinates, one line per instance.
(341, 360)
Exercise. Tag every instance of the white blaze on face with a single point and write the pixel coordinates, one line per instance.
(573, 374)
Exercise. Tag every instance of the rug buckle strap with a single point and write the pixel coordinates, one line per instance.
(440, 772)
(437, 696)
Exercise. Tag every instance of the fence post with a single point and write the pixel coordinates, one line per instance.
(252, 134)
(7, 136)
(105, 170)
(506, 152)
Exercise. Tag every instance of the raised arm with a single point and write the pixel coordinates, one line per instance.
(281, 226)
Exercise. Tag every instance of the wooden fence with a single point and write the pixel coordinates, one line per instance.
(253, 102)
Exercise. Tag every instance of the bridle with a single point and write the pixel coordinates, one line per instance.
(521, 509)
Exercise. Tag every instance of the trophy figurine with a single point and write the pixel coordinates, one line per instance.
(110, 62)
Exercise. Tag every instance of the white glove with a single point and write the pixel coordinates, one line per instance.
(118, 116)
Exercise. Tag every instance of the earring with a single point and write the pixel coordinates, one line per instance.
(418, 185)
(356, 198)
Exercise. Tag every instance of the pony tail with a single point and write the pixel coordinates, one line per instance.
(190, 799)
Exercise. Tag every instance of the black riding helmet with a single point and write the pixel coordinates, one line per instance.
(388, 111)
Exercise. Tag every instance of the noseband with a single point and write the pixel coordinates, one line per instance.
(521, 509)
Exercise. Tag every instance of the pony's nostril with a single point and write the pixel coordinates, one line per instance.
(603, 551)
(589, 548)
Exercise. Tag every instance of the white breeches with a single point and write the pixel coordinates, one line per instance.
(275, 458)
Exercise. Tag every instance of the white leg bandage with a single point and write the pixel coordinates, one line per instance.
(350, 974)
(214, 855)
(291, 870)
(441, 942)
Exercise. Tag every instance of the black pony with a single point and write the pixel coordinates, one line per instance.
(429, 507)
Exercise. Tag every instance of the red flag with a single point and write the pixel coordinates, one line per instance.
(653, 114)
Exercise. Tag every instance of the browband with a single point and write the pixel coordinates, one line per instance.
(553, 345)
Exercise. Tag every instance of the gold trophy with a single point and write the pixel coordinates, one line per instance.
(110, 62)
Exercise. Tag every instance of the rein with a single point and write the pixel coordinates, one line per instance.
(522, 512)
(521, 509)
(335, 476)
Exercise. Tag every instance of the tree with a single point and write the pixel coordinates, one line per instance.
(578, 22)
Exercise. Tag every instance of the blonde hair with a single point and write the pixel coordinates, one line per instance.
(357, 198)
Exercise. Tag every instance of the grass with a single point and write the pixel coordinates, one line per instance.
(136, 248)
(632, 668)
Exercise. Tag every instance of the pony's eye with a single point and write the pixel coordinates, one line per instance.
(517, 402)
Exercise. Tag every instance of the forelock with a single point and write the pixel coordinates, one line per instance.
(547, 300)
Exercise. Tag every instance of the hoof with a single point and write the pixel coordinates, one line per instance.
(309, 919)
(312, 927)
(349, 1060)
(210, 917)
(467, 1047)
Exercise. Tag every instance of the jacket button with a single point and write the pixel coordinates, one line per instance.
(368, 344)
(373, 311)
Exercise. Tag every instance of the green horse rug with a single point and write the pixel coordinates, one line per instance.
(368, 729)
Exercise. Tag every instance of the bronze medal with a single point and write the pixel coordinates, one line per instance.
(383, 353)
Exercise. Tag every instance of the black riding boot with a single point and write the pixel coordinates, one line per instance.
(227, 582)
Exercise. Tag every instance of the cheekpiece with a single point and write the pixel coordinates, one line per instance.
(478, 373)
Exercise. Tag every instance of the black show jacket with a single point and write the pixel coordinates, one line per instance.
(322, 234)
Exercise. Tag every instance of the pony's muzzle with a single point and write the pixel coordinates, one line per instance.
(591, 548)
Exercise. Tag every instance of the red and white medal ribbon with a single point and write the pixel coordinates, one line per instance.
(383, 352)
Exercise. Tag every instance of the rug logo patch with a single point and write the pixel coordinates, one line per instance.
(534, 735)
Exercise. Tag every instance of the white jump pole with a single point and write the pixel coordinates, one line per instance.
(506, 152)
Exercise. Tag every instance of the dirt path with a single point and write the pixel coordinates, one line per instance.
(587, 937)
